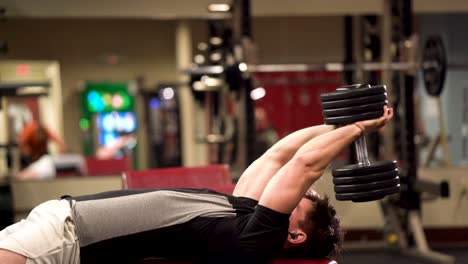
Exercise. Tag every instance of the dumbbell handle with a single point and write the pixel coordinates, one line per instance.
(361, 150)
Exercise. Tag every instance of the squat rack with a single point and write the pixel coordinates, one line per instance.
(403, 212)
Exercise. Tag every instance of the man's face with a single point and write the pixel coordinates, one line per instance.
(299, 214)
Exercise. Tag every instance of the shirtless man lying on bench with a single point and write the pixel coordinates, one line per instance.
(271, 213)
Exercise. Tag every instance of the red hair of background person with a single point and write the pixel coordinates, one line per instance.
(34, 138)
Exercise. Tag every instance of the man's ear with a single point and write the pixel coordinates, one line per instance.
(297, 237)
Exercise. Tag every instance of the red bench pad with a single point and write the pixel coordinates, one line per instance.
(216, 177)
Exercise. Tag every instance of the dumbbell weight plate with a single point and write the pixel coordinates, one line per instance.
(365, 178)
(354, 110)
(376, 98)
(361, 169)
(342, 94)
(367, 186)
(367, 195)
(349, 119)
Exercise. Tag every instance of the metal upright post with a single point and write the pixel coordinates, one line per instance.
(242, 32)
(386, 42)
(408, 124)
(465, 127)
(349, 75)
(349, 50)
(411, 196)
(193, 154)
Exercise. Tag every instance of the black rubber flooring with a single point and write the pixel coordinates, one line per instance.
(385, 256)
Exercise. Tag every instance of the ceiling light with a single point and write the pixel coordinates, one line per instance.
(216, 8)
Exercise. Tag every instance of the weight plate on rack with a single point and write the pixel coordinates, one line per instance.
(434, 65)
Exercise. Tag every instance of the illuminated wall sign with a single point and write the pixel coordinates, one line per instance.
(100, 98)
(23, 70)
(108, 111)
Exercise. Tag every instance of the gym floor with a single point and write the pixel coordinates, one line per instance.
(387, 256)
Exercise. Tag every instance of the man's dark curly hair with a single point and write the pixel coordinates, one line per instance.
(324, 232)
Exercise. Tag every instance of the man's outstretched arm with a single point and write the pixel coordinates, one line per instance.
(287, 187)
(254, 179)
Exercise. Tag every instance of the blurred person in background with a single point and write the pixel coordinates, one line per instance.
(33, 142)
(265, 135)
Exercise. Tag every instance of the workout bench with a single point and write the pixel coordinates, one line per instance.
(216, 177)
(277, 261)
(99, 167)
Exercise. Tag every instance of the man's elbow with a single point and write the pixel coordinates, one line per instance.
(312, 162)
(279, 155)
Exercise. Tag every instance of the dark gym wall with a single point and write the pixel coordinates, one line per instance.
(453, 30)
(290, 39)
(299, 39)
(146, 47)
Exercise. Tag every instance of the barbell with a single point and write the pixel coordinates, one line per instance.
(433, 65)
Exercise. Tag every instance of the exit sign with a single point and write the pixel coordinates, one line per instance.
(23, 70)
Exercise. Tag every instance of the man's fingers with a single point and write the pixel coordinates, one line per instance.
(387, 115)
(390, 115)
(377, 123)
(386, 111)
